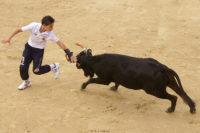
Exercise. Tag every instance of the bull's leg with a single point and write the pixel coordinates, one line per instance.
(164, 95)
(115, 87)
(173, 85)
(172, 98)
(94, 80)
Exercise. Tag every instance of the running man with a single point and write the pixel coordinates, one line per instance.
(34, 49)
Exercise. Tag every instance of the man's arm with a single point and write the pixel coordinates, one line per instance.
(61, 45)
(69, 54)
(11, 36)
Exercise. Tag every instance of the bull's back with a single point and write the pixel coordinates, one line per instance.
(131, 72)
(123, 62)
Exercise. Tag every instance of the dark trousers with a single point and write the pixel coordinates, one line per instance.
(36, 55)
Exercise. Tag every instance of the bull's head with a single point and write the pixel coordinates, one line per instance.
(81, 57)
(81, 63)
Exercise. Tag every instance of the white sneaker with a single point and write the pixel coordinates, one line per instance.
(56, 70)
(25, 84)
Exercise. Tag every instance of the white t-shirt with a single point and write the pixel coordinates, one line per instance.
(37, 39)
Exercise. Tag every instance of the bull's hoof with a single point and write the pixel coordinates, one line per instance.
(170, 110)
(192, 110)
(83, 86)
(113, 88)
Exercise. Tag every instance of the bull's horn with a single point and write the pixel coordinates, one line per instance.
(80, 45)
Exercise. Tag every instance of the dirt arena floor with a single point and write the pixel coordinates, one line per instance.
(166, 30)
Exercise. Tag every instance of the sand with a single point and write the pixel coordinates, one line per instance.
(165, 30)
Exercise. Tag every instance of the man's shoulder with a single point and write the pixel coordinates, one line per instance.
(35, 24)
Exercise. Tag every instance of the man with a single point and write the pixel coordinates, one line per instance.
(34, 49)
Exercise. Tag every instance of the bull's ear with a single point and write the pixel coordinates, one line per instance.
(89, 52)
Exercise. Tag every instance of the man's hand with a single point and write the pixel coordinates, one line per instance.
(73, 59)
(6, 41)
(11, 36)
(69, 56)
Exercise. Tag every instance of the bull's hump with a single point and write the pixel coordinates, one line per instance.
(107, 55)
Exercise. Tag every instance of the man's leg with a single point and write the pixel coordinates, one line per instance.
(24, 67)
(37, 64)
(25, 62)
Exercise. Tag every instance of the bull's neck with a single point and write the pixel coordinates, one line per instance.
(89, 61)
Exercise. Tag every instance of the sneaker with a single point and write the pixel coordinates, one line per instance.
(25, 84)
(56, 70)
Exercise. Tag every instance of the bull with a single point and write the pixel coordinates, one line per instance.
(133, 73)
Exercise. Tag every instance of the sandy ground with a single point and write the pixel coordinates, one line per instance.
(165, 30)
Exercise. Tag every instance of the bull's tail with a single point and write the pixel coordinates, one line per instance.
(175, 84)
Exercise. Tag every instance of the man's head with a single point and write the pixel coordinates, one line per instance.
(47, 23)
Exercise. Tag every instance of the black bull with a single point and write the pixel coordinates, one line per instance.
(133, 73)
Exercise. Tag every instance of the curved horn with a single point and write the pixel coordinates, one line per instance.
(80, 45)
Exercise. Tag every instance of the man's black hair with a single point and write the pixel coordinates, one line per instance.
(47, 20)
